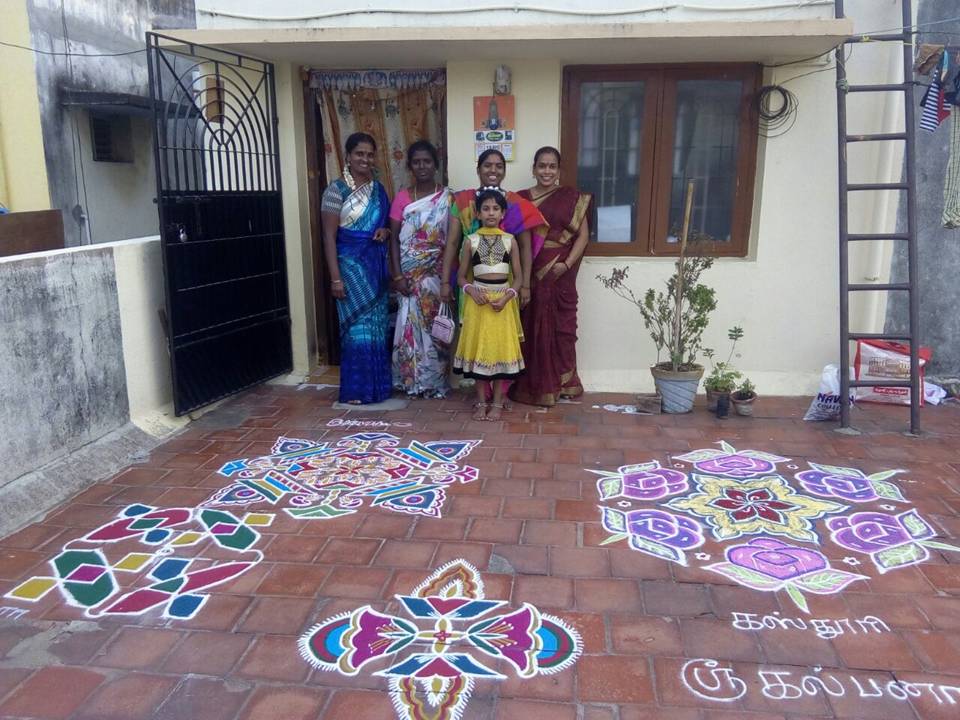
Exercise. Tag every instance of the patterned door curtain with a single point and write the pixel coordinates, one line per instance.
(396, 107)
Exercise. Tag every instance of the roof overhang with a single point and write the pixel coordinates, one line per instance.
(106, 102)
(766, 42)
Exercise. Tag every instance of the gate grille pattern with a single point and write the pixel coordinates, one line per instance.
(221, 220)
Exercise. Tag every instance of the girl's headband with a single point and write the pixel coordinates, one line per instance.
(487, 188)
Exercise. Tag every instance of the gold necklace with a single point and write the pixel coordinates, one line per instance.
(535, 198)
(416, 197)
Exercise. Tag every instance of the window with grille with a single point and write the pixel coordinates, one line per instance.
(111, 138)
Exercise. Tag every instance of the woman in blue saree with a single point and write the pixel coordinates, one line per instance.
(354, 217)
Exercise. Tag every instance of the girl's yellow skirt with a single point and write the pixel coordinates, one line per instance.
(489, 345)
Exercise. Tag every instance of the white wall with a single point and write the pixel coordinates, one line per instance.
(536, 86)
(403, 13)
(120, 195)
(296, 222)
(138, 266)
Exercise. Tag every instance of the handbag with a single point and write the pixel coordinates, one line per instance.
(443, 326)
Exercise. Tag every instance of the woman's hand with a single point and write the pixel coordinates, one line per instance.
(500, 303)
(401, 285)
(381, 235)
(337, 289)
(524, 296)
(559, 268)
(478, 295)
(446, 294)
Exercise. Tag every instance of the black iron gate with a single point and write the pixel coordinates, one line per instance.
(221, 219)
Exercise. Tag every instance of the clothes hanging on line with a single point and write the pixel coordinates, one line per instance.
(928, 58)
(951, 187)
(934, 103)
(935, 107)
(951, 84)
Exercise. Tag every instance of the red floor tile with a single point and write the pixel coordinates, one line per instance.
(207, 653)
(286, 702)
(131, 697)
(52, 693)
(531, 524)
(273, 657)
(206, 698)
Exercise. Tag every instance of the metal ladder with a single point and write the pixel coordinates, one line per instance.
(908, 186)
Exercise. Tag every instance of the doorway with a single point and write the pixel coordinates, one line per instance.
(396, 107)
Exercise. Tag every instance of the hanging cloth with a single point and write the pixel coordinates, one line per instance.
(928, 58)
(935, 107)
(951, 188)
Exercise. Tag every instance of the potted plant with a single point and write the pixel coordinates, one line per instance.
(723, 376)
(743, 398)
(676, 320)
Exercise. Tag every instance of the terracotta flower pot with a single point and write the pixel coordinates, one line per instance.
(678, 389)
(743, 406)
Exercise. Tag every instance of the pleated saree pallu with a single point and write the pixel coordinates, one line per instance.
(365, 354)
(550, 320)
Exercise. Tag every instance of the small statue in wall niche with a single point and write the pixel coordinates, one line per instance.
(501, 80)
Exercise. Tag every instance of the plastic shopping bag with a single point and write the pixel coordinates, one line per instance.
(885, 360)
(826, 405)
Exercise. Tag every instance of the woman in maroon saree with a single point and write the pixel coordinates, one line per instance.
(550, 319)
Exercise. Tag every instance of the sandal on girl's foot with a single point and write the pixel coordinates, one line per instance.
(494, 412)
(480, 411)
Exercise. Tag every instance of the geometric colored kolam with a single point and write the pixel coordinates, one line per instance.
(451, 637)
(139, 561)
(734, 494)
(87, 579)
(318, 481)
(733, 508)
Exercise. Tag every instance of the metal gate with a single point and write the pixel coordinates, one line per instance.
(221, 219)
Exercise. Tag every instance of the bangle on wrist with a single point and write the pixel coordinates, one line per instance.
(511, 290)
(398, 278)
(468, 285)
(336, 282)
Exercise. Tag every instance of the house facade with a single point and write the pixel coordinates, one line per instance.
(77, 133)
(638, 100)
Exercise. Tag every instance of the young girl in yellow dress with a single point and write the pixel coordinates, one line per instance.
(489, 346)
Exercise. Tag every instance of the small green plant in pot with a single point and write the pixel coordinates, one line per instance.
(723, 376)
(743, 398)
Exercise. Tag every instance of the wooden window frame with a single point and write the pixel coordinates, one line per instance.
(658, 126)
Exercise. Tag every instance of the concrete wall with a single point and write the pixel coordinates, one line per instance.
(100, 26)
(82, 350)
(23, 176)
(61, 362)
(938, 248)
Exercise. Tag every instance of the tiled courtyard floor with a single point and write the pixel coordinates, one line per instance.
(867, 556)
